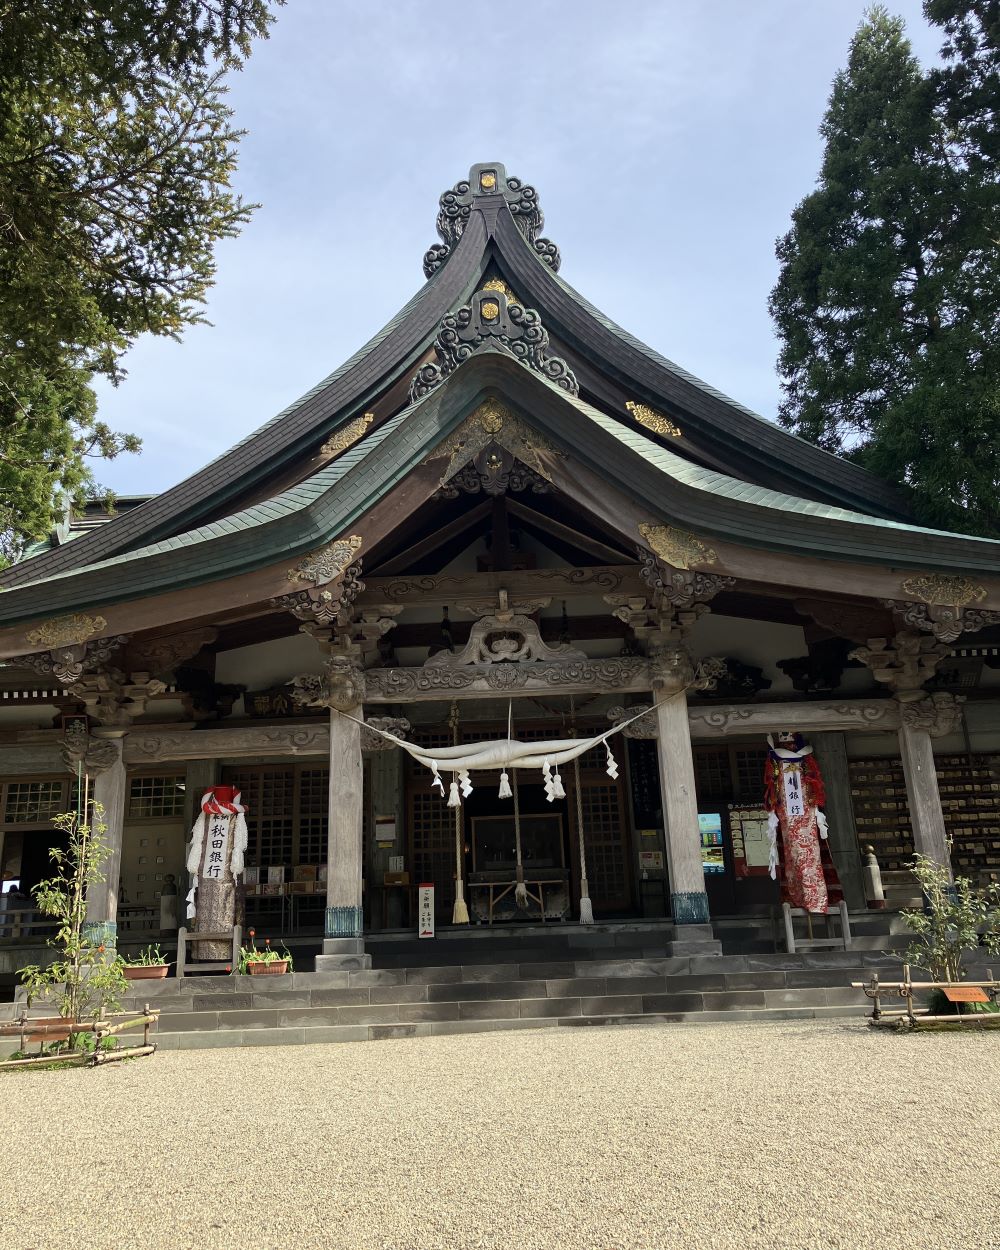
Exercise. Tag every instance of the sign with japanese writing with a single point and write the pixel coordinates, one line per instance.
(425, 910)
(791, 776)
(966, 994)
(750, 841)
(216, 854)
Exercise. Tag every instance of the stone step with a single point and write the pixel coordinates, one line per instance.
(292, 1034)
(710, 973)
(422, 1000)
(501, 1001)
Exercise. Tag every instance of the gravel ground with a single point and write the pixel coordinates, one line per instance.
(804, 1134)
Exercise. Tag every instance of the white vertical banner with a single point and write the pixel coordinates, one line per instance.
(795, 803)
(425, 910)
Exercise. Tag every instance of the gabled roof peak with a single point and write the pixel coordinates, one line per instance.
(489, 185)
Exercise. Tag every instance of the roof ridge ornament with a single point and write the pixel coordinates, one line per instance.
(489, 179)
(490, 317)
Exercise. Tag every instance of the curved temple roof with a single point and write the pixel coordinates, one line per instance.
(687, 451)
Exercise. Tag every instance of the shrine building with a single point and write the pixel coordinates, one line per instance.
(504, 517)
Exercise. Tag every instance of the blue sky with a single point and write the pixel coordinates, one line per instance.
(668, 140)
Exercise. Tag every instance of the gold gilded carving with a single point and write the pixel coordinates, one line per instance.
(489, 309)
(677, 547)
(66, 631)
(498, 284)
(944, 589)
(653, 420)
(326, 563)
(487, 180)
(493, 423)
(348, 436)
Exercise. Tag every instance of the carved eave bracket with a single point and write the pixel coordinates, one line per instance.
(490, 320)
(947, 622)
(677, 585)
(943, 605)
(115, 700)
(489, 180)
(903, 663)
(68, 663)
(328, 602)
(162, 656)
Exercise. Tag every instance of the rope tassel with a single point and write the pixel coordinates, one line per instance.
(557, 786)
(504, 792)
(453, 799)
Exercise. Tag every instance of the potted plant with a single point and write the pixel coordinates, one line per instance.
(957, 917)
(84, 978)
(147, 964)
(259, 962)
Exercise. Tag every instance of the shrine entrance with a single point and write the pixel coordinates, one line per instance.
(733, 826)
(549, 840)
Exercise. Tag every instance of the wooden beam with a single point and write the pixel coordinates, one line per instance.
(565, 533)
(400, 563)
(312, 737)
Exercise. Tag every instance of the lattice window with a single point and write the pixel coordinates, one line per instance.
(269, 792)
(604, 841)
(432, 834)
(33, 802)
(749, 772)
(712, 773)
(314, 784)
(156, 797)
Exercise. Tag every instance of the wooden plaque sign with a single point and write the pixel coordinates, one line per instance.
(966, 994)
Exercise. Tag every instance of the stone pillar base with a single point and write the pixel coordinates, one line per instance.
(691, 908)
(343, 954)
(343, 922)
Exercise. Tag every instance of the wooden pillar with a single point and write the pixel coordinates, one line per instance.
(109, 792)
(345, 850)
(688, 900)
(830, 750)
(924, 800)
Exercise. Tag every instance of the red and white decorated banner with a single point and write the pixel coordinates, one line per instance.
(218, 841)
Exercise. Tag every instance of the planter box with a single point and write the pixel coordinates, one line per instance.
(146, 972)
(276, 968)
